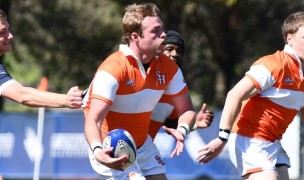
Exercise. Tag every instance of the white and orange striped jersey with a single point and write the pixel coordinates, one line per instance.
(163, 111)
(122, 82)
(279, 79)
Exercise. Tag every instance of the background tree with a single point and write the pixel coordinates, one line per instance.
(223, 38)
(67, 40)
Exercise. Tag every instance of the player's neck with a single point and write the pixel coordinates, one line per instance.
(144, 57)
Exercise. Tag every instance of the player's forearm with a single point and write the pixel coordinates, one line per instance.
(35, 98)
(231, 109)
(186, 121)
(92, 132)
(93, 120)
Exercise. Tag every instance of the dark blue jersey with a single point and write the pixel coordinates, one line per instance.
(4, 77)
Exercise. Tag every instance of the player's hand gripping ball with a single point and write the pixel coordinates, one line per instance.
(122, 143)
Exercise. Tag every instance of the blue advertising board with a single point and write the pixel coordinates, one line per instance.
(63, 149)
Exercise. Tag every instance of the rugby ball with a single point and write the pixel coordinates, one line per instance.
(122, 143)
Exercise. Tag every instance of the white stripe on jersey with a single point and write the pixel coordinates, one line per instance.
(161, 112)
(262, 75)
(143, 101)
(176, 84)
(285, 97)
(101, 83)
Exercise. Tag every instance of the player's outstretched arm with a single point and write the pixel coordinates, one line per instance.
(35, 98)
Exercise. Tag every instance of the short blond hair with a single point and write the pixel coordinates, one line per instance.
(134, 16)
(292, 24)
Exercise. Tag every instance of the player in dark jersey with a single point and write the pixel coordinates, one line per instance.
(11, 89)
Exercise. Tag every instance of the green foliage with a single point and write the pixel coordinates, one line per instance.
(223, 38)
(66, 40)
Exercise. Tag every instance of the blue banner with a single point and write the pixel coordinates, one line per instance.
(63, 151)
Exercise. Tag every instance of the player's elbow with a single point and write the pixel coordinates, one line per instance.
(25, 98)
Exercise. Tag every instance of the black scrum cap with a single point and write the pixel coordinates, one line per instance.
(175, 38)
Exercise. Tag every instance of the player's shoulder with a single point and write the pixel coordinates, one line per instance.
(115, 57)
(275, 60)
(112, 61)
(278, 55)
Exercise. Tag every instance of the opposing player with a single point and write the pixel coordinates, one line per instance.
(164, 113)
(260, 107)
(126, 88)
(11, 89)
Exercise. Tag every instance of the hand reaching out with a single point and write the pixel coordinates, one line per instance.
(210, 151)
(204, 117)
(179, 137)
(74, 98)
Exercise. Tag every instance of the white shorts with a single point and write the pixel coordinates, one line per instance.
(251, 155)
(148, 160)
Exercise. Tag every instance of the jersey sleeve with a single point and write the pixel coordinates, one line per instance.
(104, 86)
(262, 73)
(5, 78)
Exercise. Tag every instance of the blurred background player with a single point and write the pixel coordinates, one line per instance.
(13, 90)
(164, 113)
(260, 107)
(125, 90)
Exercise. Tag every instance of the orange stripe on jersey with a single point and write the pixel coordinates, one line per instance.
(154, 128)
(268, 119)
(136, 124)
(173, 115)
(254, 170)
(256, 84)
(167, 98)
(102, 98)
